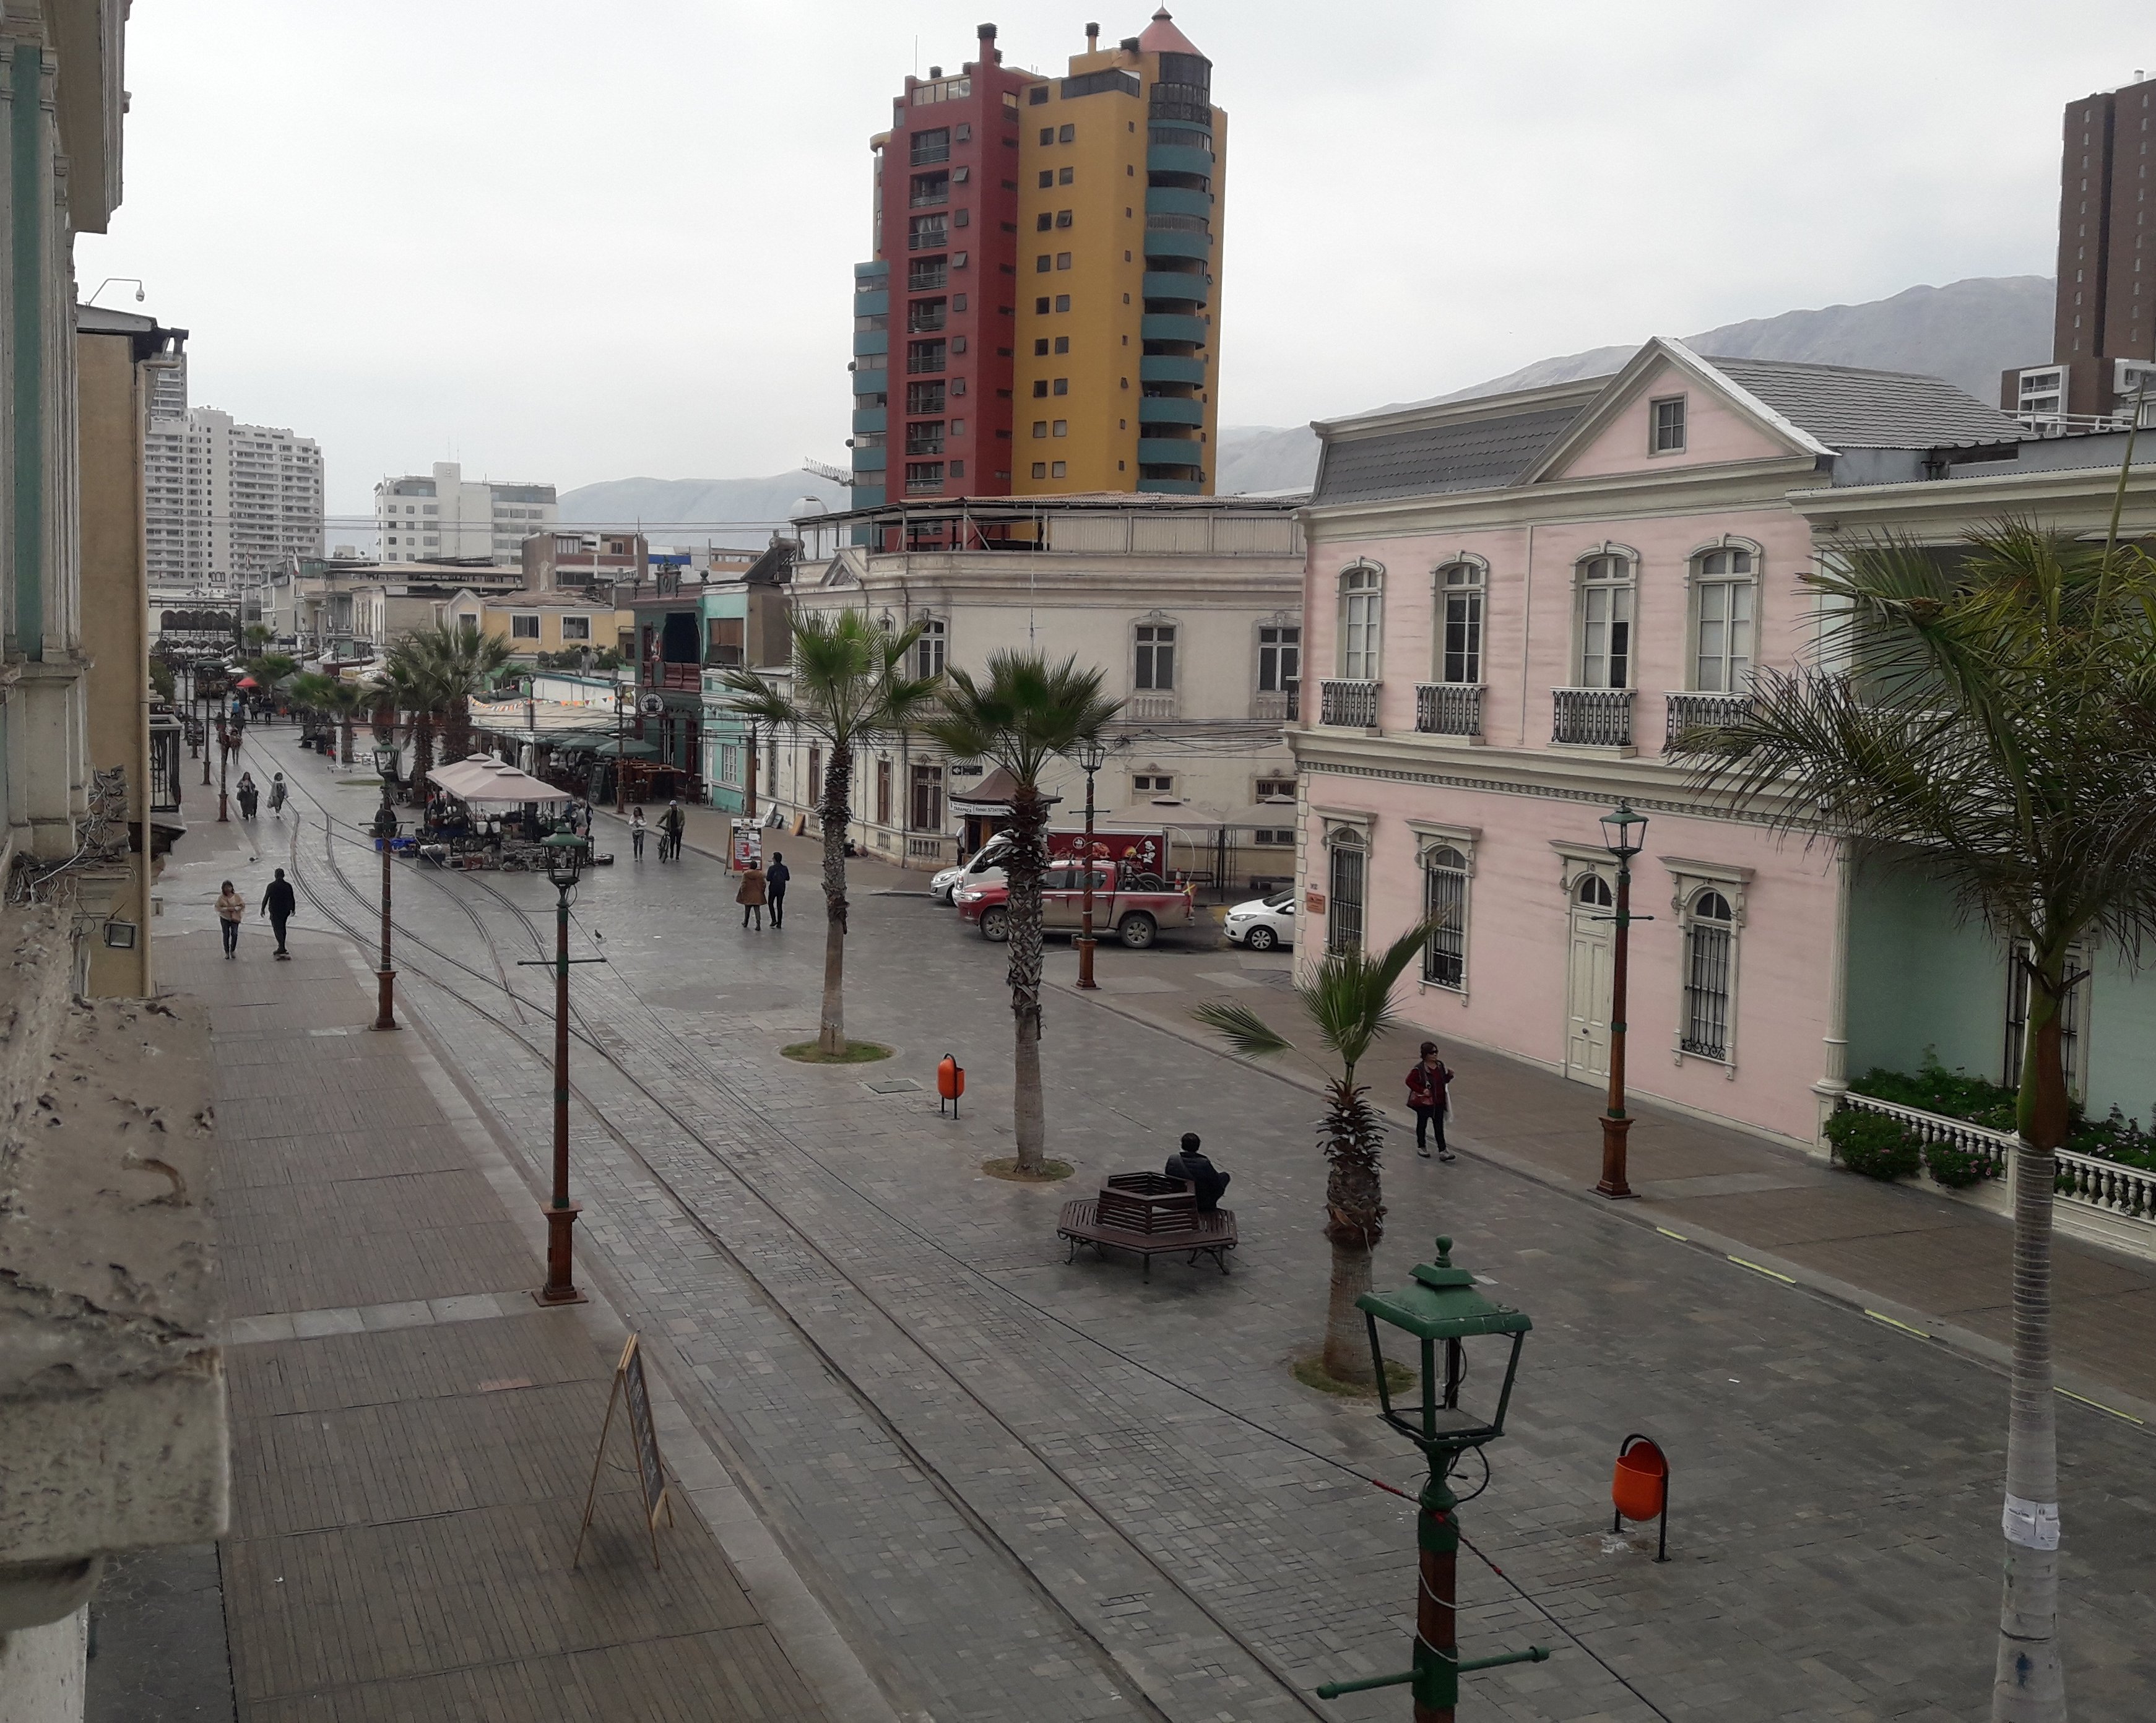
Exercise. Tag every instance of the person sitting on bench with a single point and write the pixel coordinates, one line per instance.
(1194, 1170)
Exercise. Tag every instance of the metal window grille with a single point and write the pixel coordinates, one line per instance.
(2017, 1018)
(1445, 903)
(1707, 979)
(1344, 924)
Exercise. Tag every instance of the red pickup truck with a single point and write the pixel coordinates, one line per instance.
(1132, 916)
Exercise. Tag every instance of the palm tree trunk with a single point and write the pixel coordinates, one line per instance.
(1022, 868)
(422, 753)
(1354, 1223)
(2030, 1685)
(1347, 1334)
(344, 740)
(831, 815)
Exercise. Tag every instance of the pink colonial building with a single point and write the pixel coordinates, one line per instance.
(1512, 603)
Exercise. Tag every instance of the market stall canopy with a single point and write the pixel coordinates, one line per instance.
(483, 779)
(994, 792)
(606, 747)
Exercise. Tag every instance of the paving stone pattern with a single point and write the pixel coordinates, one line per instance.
(987, 1461)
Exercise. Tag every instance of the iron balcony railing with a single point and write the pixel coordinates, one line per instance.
(1349, 705)
(1702, 711)
(928, 154)
(924, 362)
(1448, 708)
(924, 323)
(929, 200)
(1591, 717)
(924, 445)
(925, 239)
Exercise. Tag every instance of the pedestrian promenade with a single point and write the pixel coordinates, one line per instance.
(412, 1434)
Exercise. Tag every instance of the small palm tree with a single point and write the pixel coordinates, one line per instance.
(848, 685)
(465, 663)
(1025, 713)
(413, 685)
(1349, 1000)
(1983, 720)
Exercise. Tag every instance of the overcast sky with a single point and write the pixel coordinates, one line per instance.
(566, 242)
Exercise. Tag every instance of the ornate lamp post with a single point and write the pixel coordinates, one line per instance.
(1092, 755)
(226, 742)
(565, 860)
(1442, 1311)
(1623, 834)
(385, 833)
(621, 698)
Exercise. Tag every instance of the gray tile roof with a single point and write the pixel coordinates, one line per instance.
(1848, 408)
(1460, 454)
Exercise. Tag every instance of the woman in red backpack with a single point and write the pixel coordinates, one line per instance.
(1427, 1084)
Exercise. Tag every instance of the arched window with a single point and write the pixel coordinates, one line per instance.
(1348, 870)
(1593, 890)
(1362, 620)
(1605, 622)
(1724, 583)
(1710, 928)
(1459, 594)
(928, 649)
(1444, 904)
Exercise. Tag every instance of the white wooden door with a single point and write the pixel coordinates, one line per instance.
(1587, 982)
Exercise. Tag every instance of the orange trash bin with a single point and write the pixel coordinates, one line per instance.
(1640, 1488)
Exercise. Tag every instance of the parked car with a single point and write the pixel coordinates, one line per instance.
(1137, 853)
(1134, 917)
(1263, 922)
(985, 860)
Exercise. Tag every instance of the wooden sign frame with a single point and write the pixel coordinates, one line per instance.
(633, 1390)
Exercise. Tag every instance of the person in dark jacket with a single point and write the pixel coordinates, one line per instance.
(774, 888)
(249, 793)
(1428, 1084)
(1194, 1170)
(278, 903)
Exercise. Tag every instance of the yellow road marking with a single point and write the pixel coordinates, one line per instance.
(1785, 1280)
(1667, 1233)
(2098, 1405)
(1881, 1316)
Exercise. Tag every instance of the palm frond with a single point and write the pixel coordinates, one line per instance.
(1242, 1028)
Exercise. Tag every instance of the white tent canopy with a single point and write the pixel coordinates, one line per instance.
(483, 779)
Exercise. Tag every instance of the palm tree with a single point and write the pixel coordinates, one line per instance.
(1026, 713)
(345, 702)
(1348, 999)
(848, 685)
(413, 685)
(1982, 718)
(465, 663)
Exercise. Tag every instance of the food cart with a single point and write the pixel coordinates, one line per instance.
(487, 815)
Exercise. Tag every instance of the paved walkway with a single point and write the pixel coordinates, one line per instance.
(412, 1435)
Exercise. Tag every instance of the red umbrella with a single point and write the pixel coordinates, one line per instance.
(249, 682)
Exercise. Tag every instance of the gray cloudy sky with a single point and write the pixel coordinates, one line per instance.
(567, 241)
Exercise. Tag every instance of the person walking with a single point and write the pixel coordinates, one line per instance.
(249, 792)
(1429, 1085)
(277, 797)
(231, 911)
(278, 903)
(774, 888)
(636, 831)
(751, 895)
(671, 824)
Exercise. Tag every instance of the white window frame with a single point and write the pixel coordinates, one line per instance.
(1361, 586)
(1338, 838)
(570, 623)
(1145, 653)
(1281, 623)
(1656, 446)
(1697, 579)
(1474, 590)
(516, 631)
(931, 652)
(1432, 840)
(1691, 879)
(1623, 591)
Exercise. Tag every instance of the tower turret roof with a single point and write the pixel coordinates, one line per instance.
(1161, 37)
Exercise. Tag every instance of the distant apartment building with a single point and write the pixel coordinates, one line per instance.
(1039, 315)
(582, 560)
(444, 514)
(224, 503)
(2103, 336)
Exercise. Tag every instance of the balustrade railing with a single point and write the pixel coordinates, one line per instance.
(1150, 707)
(1274, 707)
(1448, 708)
(1591, 717)
(1350, 705)
(1702, 711)
(1994, 1148)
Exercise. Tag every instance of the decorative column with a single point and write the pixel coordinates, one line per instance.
(1834, 1079)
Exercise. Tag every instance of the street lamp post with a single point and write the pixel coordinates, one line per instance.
(385, 833)
(1092, 753)
(565, 857)
(225, 744)
(620, 743)
(1624, 832)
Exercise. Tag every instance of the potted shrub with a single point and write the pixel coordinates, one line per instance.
(1873, 1145)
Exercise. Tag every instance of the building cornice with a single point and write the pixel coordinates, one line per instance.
(1955, 504)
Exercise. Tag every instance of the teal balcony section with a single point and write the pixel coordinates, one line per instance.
(870, 460)
(1158, 487)
(1161, 242)
(1170, 451)
(866, 496)
(1174, 158)
(1167, 326)
(870, 418)
(1167, 368)
(868, 275)
(1170, 410)
(872, 305)
(872, 382)
(1173, 284)
(871, 341)
(1177, 200)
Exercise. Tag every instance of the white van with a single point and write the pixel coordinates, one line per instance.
(986, 860)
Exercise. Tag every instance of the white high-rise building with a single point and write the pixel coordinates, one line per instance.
(224, 503)
(446, 515)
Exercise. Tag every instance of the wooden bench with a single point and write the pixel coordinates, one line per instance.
(1148, 1214)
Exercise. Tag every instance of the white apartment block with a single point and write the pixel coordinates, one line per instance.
(224, 503)
(445, 514)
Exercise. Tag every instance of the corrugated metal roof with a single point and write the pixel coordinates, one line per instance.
(1460, 455)
(1848, 408)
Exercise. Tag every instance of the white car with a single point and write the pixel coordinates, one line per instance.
(985, 864)
(1263, 922)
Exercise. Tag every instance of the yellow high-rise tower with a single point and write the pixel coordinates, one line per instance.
(1118, 294)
